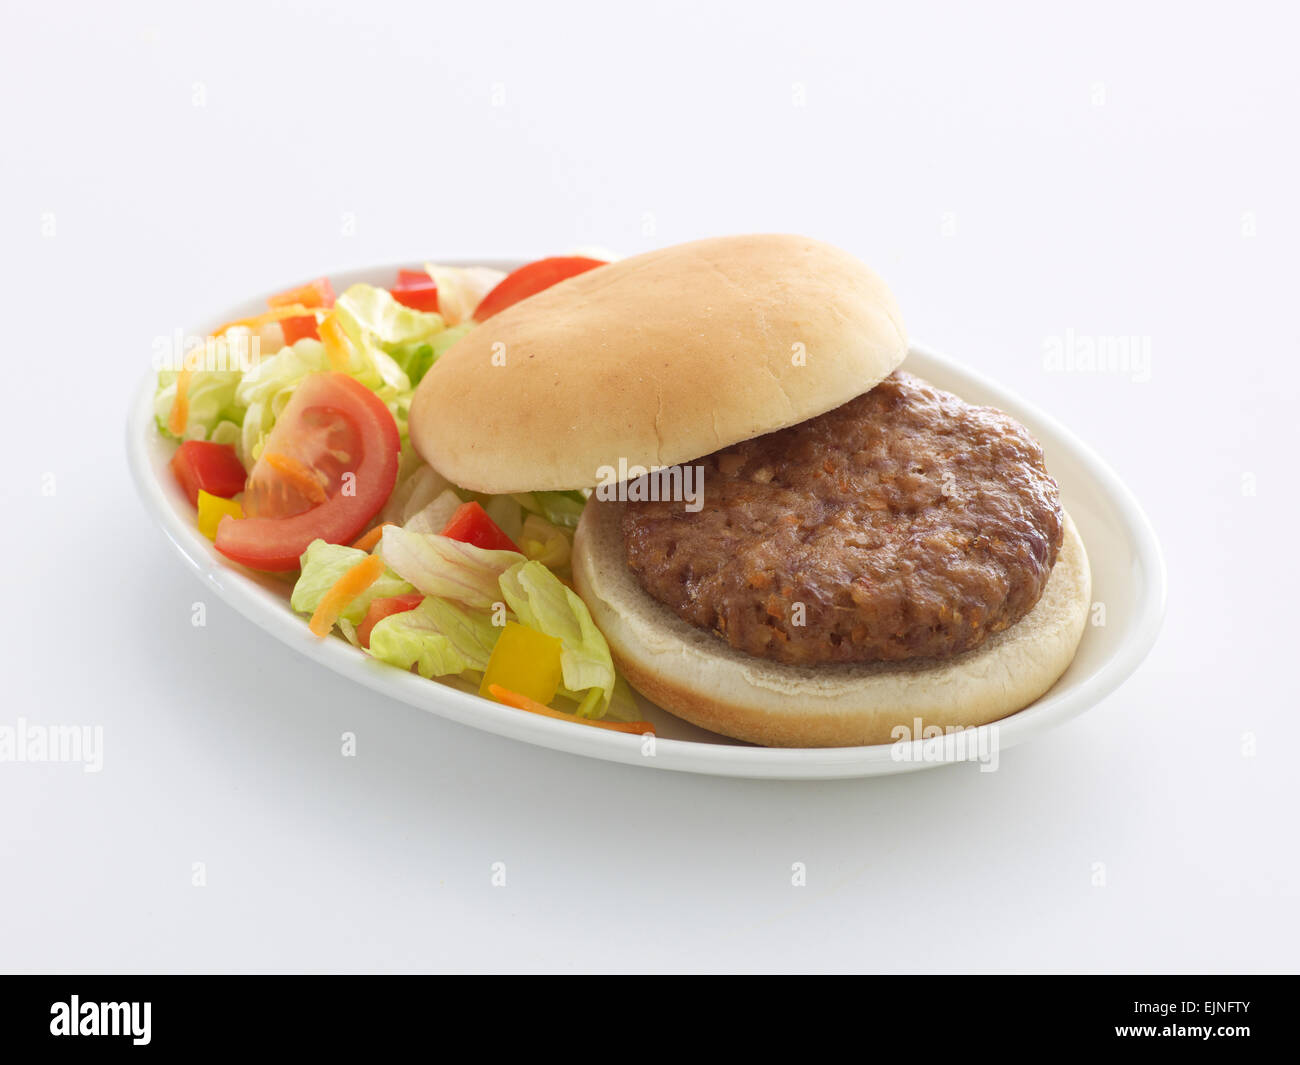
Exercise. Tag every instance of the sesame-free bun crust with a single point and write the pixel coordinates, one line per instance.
(656, 360)
(698, 677)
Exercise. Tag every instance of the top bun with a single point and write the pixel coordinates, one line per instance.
(656, 360)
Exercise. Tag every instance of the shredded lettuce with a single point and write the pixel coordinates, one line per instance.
(214, 410)
(433, 518)
(349, 632)
(545, 543)
(389, 323)
(542, 601)
(372, 318)
(323, 564)
(462, 288)
(448, 337)
(413, 493)
(418, 360)
(506, 514)
(226, 432)
(623, 706)
(559, 508)
(447, 568)
(437, 637)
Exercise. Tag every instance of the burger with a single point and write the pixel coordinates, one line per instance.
(790, 540)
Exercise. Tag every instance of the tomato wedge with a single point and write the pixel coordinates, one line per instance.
(318, 293)
(417, 290)
(326, 470)
(530, 280)
(200, 465)
(382, 608)
(470, 524)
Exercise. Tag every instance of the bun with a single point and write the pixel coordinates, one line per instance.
(656, 360)
(698, 677)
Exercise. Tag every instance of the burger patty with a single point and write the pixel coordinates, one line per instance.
(904, 524)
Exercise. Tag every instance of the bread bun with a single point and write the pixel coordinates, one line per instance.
(697, 676)
(656, 360)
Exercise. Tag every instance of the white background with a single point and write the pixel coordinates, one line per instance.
(1014, 174)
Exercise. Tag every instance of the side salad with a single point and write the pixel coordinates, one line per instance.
(293, 448)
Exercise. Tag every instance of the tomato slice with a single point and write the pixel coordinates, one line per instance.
(200, 465)
(318, 293)
(530, 280)
(470, 524)
(382, 608)
(417, 290)
(326, 470)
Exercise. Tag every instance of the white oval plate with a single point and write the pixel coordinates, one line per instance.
(1128, 575)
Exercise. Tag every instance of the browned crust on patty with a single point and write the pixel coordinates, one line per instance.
(904, 524)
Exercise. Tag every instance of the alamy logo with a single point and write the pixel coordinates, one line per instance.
(920, 742)
(638, 484)
(28, 742)
(235, 352)
(75, 1017)
(1128, 356)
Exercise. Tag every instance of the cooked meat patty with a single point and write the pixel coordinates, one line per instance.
(904, 524)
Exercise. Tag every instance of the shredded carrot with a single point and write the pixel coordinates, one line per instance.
(369, 539)
(522, 702)
(180, 413)
(275, 314)
(301, 475)
(344, 590)
(336, 343)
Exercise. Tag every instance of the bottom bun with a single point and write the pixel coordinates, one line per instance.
(695, 675)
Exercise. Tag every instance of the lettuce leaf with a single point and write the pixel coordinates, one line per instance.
(506, 512)
(545, 543)
(462, 288)
(414, 491)
(447, 568)
(226, 432)
(541, 600)
(415, 361)
(624, 706)
(433, 518)
(448, 337)
(559, 508)
(323, 564)
(372, 318)
(437, 637)
(214, 409)
(390, 324)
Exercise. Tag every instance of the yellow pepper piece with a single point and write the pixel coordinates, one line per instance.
(525, 661)
(212, 509)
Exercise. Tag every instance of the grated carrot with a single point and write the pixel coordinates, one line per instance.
(344, 590)
(370, 538)
(336, 343)
(522, 702)
(302, 476)
(179, 417)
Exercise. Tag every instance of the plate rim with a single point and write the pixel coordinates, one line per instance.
(259, 605)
